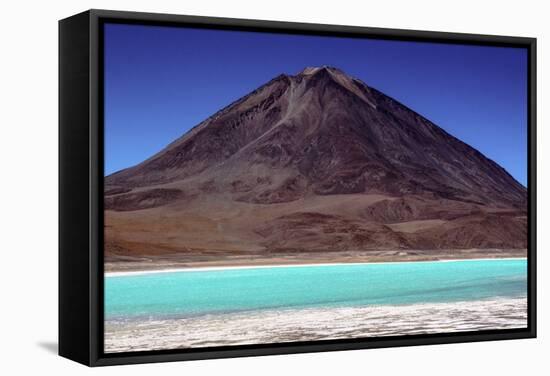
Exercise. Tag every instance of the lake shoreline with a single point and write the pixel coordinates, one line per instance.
(312, 324)
(160, 267)
(283, 303)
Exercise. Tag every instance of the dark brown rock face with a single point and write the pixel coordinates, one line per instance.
(334, 134)
(324, 133)
(141, 199)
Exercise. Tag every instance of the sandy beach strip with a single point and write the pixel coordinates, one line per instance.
(220, 259)
(268, 266)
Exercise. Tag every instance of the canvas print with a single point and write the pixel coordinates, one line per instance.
(266, 188)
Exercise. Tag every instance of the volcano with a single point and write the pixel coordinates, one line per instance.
(312, 163)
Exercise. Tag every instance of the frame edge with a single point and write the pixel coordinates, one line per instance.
(74, 254)
(93, 355)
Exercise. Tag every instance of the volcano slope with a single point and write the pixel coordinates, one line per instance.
(313, 167)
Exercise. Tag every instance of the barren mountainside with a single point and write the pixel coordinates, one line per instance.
(318, 161)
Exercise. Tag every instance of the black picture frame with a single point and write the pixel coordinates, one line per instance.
(81, 193)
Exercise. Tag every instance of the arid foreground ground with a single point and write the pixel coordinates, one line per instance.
(222, 232)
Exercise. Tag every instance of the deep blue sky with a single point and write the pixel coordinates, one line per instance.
(162, 81)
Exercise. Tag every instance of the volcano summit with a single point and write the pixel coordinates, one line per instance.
(315, 166)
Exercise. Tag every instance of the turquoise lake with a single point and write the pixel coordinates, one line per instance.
(192, 293)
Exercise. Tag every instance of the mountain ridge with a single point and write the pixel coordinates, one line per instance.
(284, 83)
(323, 133)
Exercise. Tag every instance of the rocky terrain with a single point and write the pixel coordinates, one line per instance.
(312, 163)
